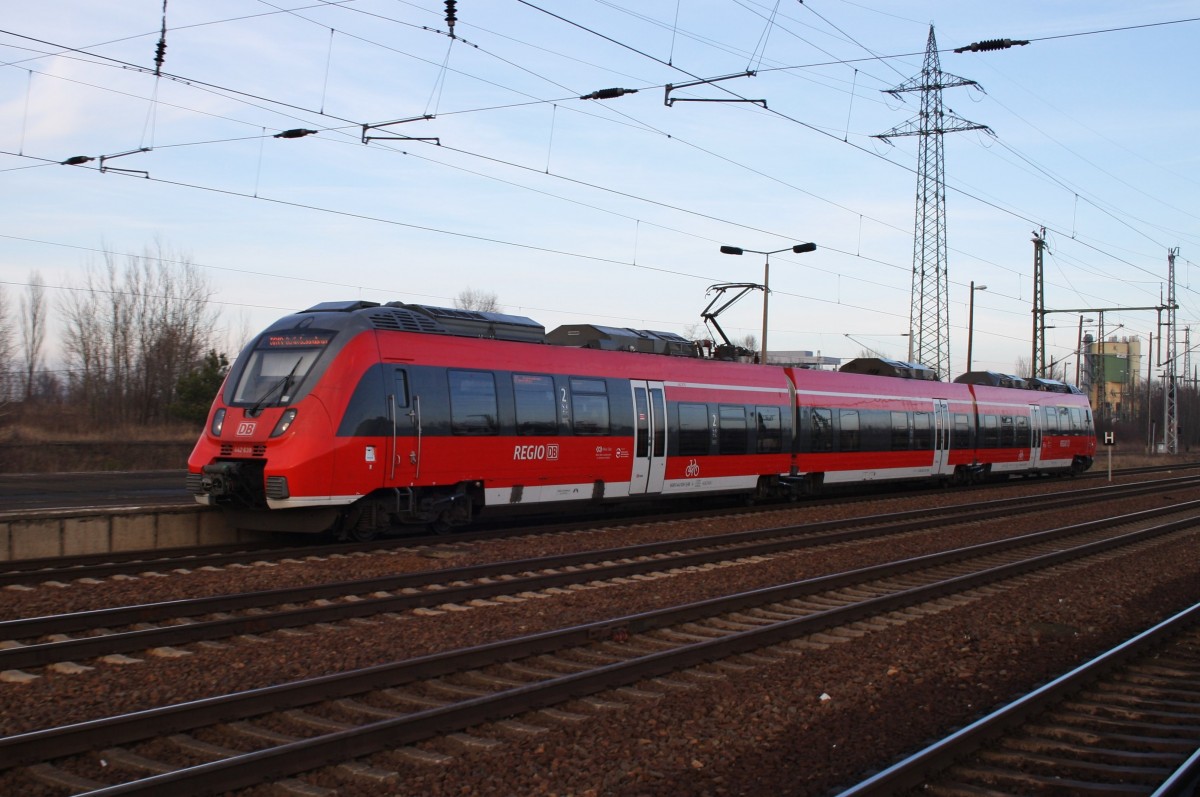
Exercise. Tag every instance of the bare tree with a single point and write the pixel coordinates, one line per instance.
(483, 301)
(133, 331)
(92, 318)
(33, 330)
(7, 347)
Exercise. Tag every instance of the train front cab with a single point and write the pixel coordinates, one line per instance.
(267, 440)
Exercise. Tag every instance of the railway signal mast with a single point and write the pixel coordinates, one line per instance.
(1170, 390)
(929, 318)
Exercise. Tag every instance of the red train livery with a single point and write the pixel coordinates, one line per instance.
(356, 417)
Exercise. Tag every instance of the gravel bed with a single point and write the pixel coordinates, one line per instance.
(768, 732)
(817, 722)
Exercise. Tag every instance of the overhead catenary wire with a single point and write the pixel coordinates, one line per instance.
(677, 139)
(827, 133)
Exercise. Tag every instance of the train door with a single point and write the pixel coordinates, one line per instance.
(405, 410)
(649, 438)
(941, 436)
(1036, 429)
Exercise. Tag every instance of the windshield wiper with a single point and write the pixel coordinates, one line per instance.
(282, 383)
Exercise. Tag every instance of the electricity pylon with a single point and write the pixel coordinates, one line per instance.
(929, 318)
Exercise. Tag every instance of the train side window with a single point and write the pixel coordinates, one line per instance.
(961, 435)
(536, 409)
(367, 412)
(923, 431)
(693, 429)
(821, 433)
(1024, 436)
(400, 383)
(876, 430)
(990, 427)
(660, 431)
(1066, 421)
(848, 431)
(1007, 434)
(473, 403)
(641, 422)
(1077, 421)
(732, 439)
(900, 436)
(1051, 420)
(770, 430)
(589, 406)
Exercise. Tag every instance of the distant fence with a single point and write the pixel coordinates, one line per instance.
(93, 455)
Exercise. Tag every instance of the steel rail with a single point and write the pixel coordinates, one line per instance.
(818, 533)
(101, 565)
(287, 759)
(915, 769)
(715, 548)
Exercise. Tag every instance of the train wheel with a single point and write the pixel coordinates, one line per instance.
(457, 516)
(361, 524)
(359, 534)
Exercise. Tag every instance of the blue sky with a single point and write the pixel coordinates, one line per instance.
(609, 211)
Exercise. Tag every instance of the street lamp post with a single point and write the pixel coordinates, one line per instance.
(737, 250)
(971, 321)
(1079, 347)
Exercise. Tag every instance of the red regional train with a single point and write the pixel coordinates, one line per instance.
(357, 417)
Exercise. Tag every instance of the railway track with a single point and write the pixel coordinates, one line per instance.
(1125, 723)
(104, 565)
(161, 627)
(276, 732)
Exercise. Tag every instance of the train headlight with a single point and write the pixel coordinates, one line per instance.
(285, 422)
(218, 422)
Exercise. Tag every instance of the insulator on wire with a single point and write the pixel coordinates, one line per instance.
(160, 55)
(451, 18)
(608, 94)
(295, 132)
(160, 51)
(991, 44)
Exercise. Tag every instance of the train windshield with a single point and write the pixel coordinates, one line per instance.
(276, 367)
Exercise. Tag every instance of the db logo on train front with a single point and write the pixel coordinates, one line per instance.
(245, 429)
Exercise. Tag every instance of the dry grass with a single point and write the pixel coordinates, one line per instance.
(60, 439)
(56, 423)
(25, 433)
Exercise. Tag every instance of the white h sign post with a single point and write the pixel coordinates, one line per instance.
(1110, 440)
